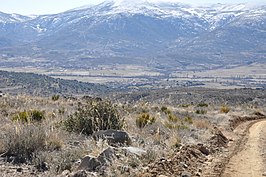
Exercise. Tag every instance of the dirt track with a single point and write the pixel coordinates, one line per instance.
(248, 162)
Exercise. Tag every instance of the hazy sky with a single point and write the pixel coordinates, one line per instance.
(27, 7)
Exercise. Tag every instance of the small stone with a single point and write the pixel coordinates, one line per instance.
(186, 174)
(184, 165)
(20, 170)
(136, 151)
(65, 173)
(89, 163)
(204, 150)
(264, 174)
(198, 174)
(80, 174)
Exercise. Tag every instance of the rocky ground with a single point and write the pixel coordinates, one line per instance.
(189, 132)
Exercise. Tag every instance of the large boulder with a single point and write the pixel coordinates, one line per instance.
(113, 137)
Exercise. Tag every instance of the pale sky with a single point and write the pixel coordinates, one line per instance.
(29, 7)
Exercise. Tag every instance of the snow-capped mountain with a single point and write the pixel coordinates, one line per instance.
(13, 18)
(140, 31)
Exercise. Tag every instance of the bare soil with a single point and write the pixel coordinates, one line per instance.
(248, 162)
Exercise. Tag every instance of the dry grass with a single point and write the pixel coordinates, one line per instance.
(24, 141)
(224, 109)
(47, 142)
(201, 124)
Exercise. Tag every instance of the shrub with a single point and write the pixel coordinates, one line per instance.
(202, 105)
(58, 160)
(55, 97)
(23, 142)
(144, 119)
(224, 109)
(188, 120)
(94, 116)
(164, 109)
(173, 118)
(184, 105)
(201, 111)
(29, 116)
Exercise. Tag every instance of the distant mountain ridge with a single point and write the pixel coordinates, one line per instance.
(124, 32)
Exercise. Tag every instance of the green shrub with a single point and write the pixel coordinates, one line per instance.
(202, 105)
(164, 109)
(144, 119)
(201, 111)
(55, 97)
(188, 120)
(93, 116)
(184, 105)
(173, 118)
(29, 116)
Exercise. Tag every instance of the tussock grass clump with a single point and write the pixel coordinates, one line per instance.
(144, 119)
(189, 120)
(173, 118)
(224, 109)
(23, 141)
(58, 161)
(29, 116)
(93, 116)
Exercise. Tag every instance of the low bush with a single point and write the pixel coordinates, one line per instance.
(144, 119)
(188, 120)
(184, 105)
(22, 142)
(93, 116)
(58, 161)
(201, 111)
(173, 118)
(164, 109)
(224, 109)
(202, 105)
(29, 116)
(55, 97)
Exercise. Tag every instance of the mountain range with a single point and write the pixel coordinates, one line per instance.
(159, 35)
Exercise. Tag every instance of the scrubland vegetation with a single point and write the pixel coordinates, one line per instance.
(52, 134)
